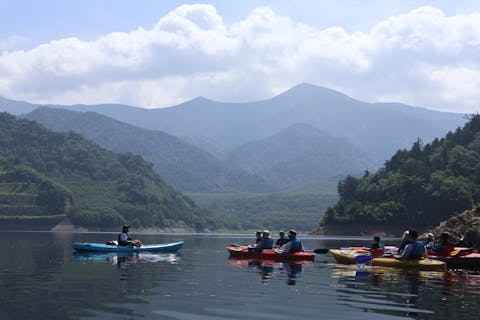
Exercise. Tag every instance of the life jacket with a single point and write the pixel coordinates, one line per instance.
(296, 246)
(443, 250)
(123, 243)
(378, 252)
(418, 250)
(267, 243)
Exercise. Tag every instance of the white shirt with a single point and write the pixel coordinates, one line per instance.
(123, 236)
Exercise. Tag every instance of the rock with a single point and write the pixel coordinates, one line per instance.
(464, 227)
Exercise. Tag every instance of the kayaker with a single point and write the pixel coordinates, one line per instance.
(444, 246)
(405, 240)
(125, 240)
(430, 242)
(258, 237)
(293, 244)
(282, 240)
(413, 250)
(265, 243)
(377, 248)
(376, 244)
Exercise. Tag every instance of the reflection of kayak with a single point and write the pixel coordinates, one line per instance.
(378, 273)
(264, 262)
(348, 257)
(166, 247)
(268, 254)
(131, 257)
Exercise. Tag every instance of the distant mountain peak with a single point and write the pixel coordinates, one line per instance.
(310, 91)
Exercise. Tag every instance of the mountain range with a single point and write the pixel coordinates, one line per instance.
(364, 135)
(181, 164)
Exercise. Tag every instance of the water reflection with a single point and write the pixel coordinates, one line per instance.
(267, 268)
(390, 291)
(117, 258)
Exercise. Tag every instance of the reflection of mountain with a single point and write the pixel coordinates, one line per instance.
(43, 282)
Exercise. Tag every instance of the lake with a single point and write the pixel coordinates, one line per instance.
(42, 278)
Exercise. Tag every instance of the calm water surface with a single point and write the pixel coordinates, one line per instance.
(42, 278)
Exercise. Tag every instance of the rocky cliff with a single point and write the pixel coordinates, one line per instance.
(463, 226)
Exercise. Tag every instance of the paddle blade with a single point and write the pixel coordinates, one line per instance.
(363, 258)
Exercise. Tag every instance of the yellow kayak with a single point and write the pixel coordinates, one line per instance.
(349, 257)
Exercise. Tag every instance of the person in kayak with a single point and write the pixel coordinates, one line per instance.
(282, 240)
(125, 240)
(293, 244)
(258, 237)
(444, 246)
(405, 240)
(414, 249)
(265, 243)
(377, 248)
(430, 242)
(376, 244)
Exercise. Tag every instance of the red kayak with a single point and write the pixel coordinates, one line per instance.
(458, 258)
(270, 254)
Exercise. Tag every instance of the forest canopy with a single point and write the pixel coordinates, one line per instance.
(44, 173)
(421, 186)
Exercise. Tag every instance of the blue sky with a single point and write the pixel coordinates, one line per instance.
(160, 53)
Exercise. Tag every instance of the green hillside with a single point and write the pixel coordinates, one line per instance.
(181, 164)
(417, 187)
(46, 174)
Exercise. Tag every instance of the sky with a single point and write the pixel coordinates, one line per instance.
(153, 54)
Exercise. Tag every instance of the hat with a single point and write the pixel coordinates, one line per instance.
(126, 226)
(266, 231)
(430, 235)
(293, 232)
(281, 232)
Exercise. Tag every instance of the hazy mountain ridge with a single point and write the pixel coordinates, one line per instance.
(299, 155)
(182, 165)
(379, 129)
(376, 129)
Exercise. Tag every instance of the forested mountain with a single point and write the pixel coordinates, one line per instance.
(299, 155)
(418, 187)
(379, 129)
(182, 165)
(96, 188)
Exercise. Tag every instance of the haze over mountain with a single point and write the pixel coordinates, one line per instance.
(379, 129)
(299, 155)
(182, 165)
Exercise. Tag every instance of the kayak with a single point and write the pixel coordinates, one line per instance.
(470, 261)
(457, 258)
(101, 247)
(352, 256)
(270, 254)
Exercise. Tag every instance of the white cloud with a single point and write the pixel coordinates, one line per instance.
(422, 57)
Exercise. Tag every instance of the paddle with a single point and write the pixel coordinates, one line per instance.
(321, 251)
(363, 258)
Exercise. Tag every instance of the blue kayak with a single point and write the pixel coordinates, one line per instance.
(166, 247)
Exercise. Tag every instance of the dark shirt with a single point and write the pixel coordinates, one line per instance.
(281, 241)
